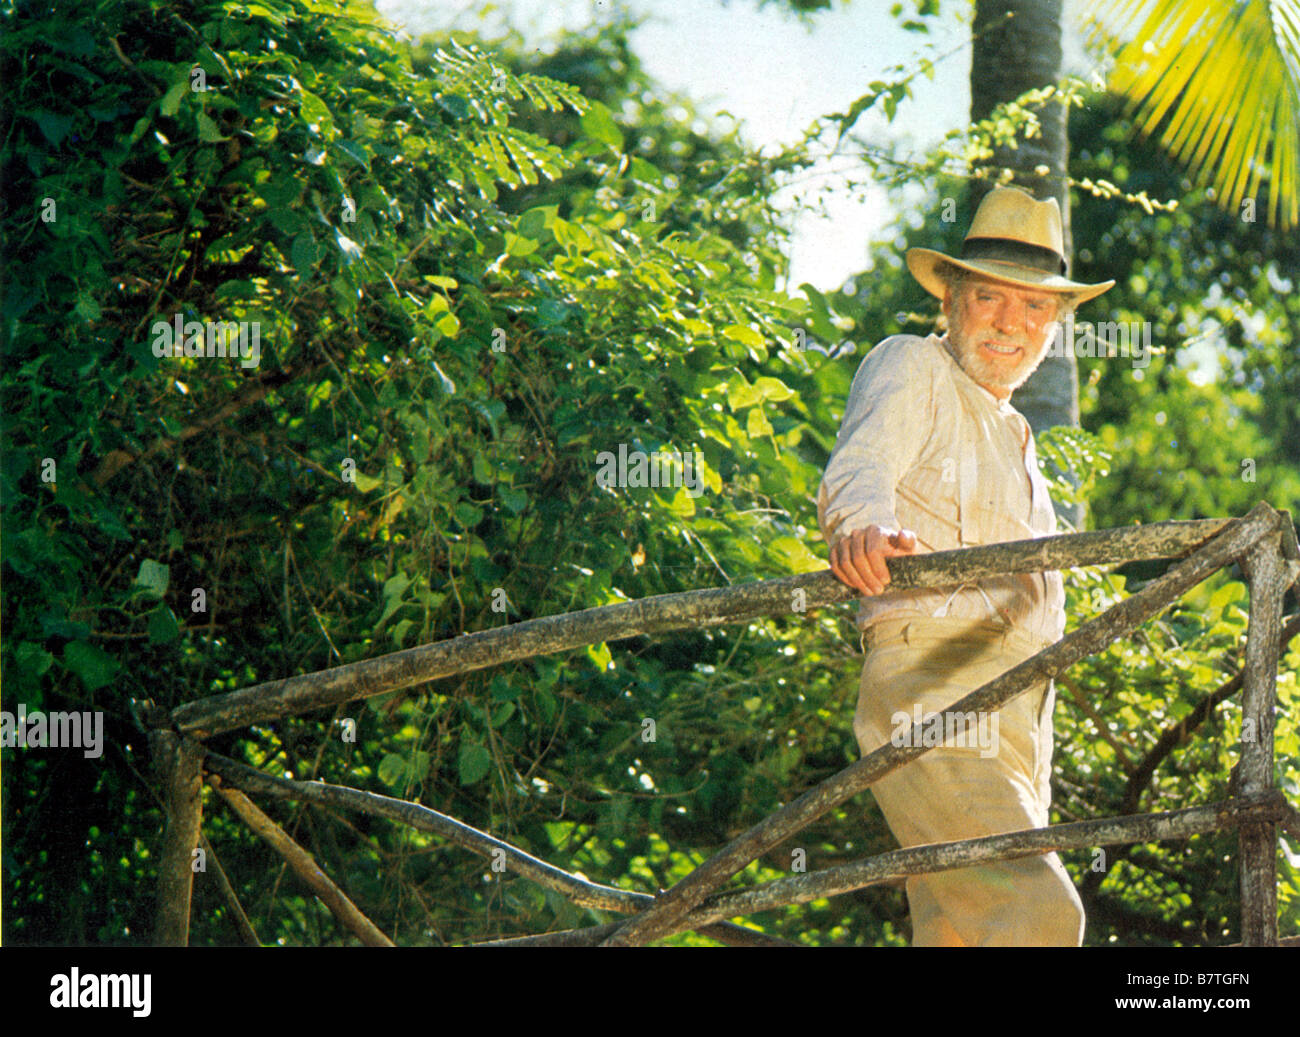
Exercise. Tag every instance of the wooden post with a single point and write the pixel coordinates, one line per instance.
(1258, 841)
(176, 763)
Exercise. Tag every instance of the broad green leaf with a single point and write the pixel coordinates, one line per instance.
(171, 101)
(504, 690)
(514, 499)
(92, 665)
(288, 221)
(208, 132)
(822, 326)
(572, 236)
(517, 245)
(163, 628)
(551, 313)
(1232, 591)
(467, 515)
(154, 577)
(392, 770)
(33, 658)
(740, 393)
(644, 171)
(600, 655)
(502, 713)
(473, 764)
(87, 307)
(598, 123)
(744, 334)
(772, 389)
(454, 105)
(395, 586)
(315, 114)
(796, 555)
(138, 131)
(682, 504)
(305, 256)
(55, 127)
(534, 222)
(355, 152)
(400, 631)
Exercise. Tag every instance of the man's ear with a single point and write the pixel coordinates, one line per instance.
(946, 305)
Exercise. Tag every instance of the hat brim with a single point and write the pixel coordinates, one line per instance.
(927, 265)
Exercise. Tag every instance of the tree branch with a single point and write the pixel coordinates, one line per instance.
(305, 865)
(245, 927)
(116, 460)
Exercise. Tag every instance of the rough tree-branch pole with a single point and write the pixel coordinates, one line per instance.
(668, 612)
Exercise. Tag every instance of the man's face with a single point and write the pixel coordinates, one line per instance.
(999, 333)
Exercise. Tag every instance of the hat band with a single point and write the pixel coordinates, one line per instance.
(1008, 250)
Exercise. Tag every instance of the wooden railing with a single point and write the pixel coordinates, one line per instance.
(1263, 542)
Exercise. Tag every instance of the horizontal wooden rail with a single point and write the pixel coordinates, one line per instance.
(668, 612)
(922, 860)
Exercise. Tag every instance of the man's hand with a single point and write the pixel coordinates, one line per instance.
(859, 558)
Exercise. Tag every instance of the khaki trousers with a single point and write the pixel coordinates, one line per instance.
(991, 776)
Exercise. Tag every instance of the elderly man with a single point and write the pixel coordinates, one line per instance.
(931, 456)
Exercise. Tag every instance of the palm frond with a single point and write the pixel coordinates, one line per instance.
(1220, 84)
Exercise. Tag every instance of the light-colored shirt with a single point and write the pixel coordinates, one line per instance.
(925, 447)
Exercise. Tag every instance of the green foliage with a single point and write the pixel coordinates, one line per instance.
(1206, 427)
(475, 269)
(445, 351)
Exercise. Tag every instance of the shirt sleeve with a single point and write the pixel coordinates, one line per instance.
(887, 421)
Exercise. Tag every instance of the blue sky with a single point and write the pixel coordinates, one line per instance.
(775, 75)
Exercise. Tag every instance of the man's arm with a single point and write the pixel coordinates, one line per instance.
(887, 421)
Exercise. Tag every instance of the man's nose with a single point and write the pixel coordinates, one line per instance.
(1009, 316)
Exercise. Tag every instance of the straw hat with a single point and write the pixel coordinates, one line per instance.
(1013, 239)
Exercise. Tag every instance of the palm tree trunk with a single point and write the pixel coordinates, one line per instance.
(1011, 55)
